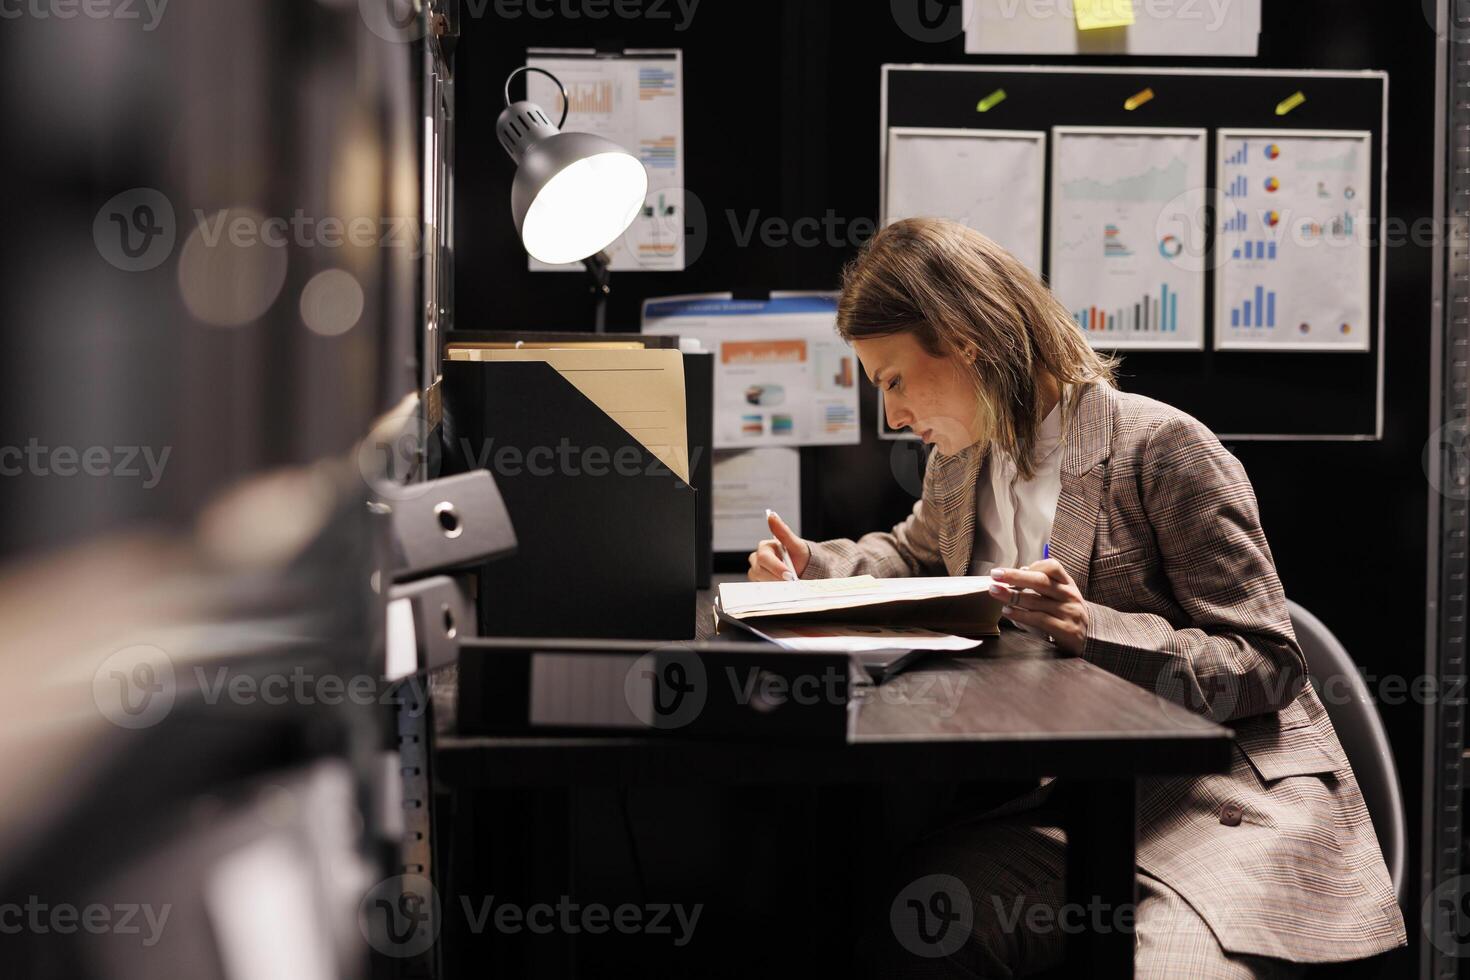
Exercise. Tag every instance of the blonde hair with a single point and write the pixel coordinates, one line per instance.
(958, 291)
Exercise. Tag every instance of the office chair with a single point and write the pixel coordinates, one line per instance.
(1363, 737)
(1364, 740)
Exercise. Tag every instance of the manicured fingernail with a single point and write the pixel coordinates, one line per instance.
(998, 573)
(997, 590)
(789, 576)
(1005, 610)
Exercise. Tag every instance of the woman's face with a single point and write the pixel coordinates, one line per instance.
(933, 396)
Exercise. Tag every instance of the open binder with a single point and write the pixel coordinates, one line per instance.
(961, 605)
(606, 530)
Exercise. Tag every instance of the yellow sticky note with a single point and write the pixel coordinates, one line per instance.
(1093, 14)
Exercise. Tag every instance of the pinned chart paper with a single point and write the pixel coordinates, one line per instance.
(1293, 255)
(783, 377)
(637, 101)
(1127, 234)
(744, 483)
(991, 180)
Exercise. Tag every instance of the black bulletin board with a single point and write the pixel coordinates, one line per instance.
(1239, 394)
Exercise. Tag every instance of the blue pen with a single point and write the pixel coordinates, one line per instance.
(1045, 550)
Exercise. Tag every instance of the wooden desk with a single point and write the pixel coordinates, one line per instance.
(1018, 711)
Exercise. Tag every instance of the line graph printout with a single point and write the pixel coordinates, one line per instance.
(1293, 252)
(991, 180)
(1128, 234)
(637, 101)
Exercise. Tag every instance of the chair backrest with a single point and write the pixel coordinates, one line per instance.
(1350, 706)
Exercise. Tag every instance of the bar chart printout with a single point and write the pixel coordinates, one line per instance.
(637, 101)
(1256, 313)
(1127, 234)
(1158, 313)
(1293, 254)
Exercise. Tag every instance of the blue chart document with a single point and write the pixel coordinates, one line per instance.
(1292, 241)
(1128, 234)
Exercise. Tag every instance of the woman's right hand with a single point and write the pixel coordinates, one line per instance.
(765, 561)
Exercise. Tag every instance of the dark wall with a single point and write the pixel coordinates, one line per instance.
(781, 120)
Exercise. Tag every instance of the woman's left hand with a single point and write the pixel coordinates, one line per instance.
(1054, 605)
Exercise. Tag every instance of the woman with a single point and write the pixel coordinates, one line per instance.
(1122, 528)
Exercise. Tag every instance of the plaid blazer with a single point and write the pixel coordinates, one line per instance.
(1158, 524)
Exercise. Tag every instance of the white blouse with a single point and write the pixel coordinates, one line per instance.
(1014, 516)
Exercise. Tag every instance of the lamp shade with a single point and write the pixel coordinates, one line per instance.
(574, 193)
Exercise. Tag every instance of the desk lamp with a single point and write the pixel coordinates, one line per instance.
(574, 193)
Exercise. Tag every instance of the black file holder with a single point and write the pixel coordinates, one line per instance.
(606, 531)
(699, 409)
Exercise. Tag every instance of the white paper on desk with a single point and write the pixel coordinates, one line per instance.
(824, 638)
(1169, 27)
(742, 599)
(744, 483)
(641, 390)
(738, 597)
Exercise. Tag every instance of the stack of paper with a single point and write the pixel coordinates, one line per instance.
(826, 638)
(961, 604)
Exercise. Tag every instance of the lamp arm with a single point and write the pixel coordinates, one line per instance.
(566, 103)
(599, 267)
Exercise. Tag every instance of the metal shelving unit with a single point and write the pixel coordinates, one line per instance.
(1443, 878)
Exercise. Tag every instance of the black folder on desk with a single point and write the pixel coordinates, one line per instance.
(609, 553)
(509, 686)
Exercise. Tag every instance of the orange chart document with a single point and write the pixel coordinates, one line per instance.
(782, 375)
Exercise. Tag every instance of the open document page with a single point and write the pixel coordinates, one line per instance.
(746, 600)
